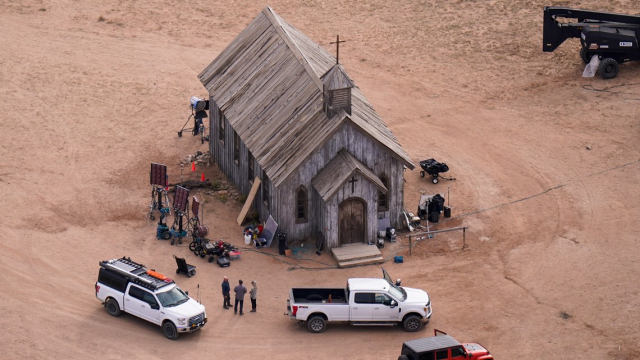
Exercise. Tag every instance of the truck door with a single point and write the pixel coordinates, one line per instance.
(133, 300)
(458, 353)
(382, 308)
(362, 306)
(150, 309)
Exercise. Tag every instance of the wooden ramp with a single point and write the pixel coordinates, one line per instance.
(357, 254)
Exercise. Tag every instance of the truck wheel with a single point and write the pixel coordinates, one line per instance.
(316, 324)
(608, 68)
(112, 307)
(412, 323)
(169, 330)
(403, 357)
(585, 55)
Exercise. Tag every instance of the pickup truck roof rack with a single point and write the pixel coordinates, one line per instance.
(135, 273)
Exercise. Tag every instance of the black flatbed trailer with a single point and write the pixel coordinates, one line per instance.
(612, 37)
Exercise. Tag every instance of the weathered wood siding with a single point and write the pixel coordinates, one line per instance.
(369, 152)
(237, 172)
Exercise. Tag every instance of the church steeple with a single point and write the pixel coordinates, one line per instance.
(336, 90)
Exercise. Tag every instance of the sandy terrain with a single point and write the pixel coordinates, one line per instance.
(92, 92)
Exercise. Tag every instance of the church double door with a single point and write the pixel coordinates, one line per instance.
(352, 215)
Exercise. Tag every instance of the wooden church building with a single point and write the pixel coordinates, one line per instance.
(283, 110)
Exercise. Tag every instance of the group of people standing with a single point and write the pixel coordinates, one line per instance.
(240, 290)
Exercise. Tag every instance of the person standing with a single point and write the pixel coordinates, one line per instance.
(226, 293)
(253, 293)
(240, 290)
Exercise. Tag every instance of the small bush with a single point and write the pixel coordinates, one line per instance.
(101, 19)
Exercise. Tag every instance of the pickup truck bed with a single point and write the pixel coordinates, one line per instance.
(311, 296)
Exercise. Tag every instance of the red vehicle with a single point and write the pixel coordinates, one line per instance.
(442, 347)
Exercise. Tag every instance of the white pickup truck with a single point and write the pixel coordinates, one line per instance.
(362, 302)
(124, 285)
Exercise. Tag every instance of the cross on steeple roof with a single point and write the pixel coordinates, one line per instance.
(337, 42)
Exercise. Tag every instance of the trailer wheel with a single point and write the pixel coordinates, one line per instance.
(169, 330)
(166, 235)
(412, 323)
(403, 357)
(112, 307)
(608, 68)
(434, 180)
(316, 324)
(585, 55)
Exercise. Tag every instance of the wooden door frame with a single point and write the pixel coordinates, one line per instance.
(364, 218)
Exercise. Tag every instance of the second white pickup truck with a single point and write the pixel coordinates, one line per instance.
(364, 301)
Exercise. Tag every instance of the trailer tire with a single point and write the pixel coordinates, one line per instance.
(166, 235)
(169, 330)
(112, 307)
(412, 323)
(608, 68)
(434, 180)
(316, 324)
(585, 55)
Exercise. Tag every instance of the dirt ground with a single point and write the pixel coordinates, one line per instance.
(547, 166)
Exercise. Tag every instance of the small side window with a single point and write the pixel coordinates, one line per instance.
(383, 200)
(442, 354)
(149, 299)
(382, 299)
(136, 293)
(221, 126)
(236, 148)
(364, 298)
(426, 356)
(458, 353)
(301, 205)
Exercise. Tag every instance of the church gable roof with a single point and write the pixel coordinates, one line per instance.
(267, 83)
(338, 171)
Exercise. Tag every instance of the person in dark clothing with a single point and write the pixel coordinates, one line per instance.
(240, 290)
(226, 290)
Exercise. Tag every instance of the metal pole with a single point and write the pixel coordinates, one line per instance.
(464, 241)
(410, 245)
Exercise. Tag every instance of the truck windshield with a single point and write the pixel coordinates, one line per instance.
(397, 292)
(173, 297)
